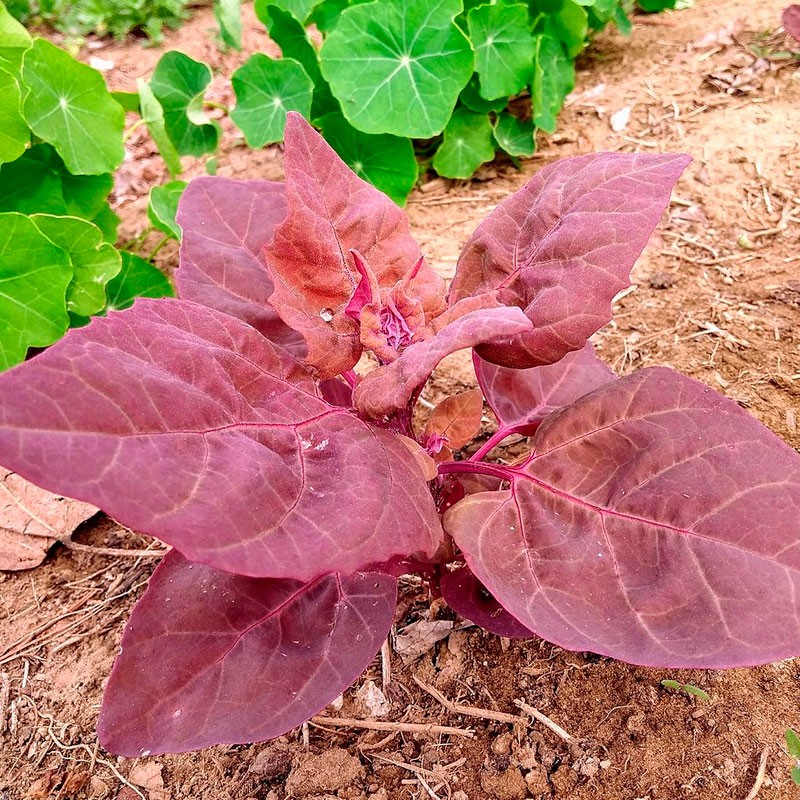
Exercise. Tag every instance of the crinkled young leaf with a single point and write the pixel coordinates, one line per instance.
(467, 596)
(225, 225)
(553, 80)
(136, 278)
(398, 67)
(69, 106)
(94, 262)
(266, 89)
(34, 275)
(209, 657)
(522, 398)
(501, 36)
(178, 83)
(391, 386)
(467, 144)
(14, 131)
(162, 207)
(39, 182)
(563, 246)
(386, 161)
(515, 136)
(330, 212)
(216, 442)
(655, 522)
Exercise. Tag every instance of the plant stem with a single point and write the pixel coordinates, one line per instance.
(212, 104)
(132, 129)
(350, 377)
(492, 442)
(158, 247)
(475, 467)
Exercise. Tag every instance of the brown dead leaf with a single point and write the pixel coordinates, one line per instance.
(32, 520)
(417, 638)
(147, 775)
(457, 418)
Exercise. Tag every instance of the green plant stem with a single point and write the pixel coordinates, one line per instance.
(158, 247)
(134, 246)
(134, 127)
(213, 104)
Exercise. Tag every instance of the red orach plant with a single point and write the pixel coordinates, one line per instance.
(651, 520)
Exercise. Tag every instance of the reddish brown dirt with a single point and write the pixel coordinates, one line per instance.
(716, 295)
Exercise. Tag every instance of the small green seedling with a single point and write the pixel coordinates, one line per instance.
(793, 746)
(685, 687)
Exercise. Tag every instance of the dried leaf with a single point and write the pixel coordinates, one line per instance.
(32, 520)
(417, 638)
(457, 418)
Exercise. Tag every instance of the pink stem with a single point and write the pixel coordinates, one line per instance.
(476, 468)
(350, 377)
(491, 442)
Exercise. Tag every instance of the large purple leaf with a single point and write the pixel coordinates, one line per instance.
(655, 521)
(390, 386)
(330, 212)
(522, 398)
(209, 657)
(563, 246)
(226, 224)
(185, 423)
(467, 596)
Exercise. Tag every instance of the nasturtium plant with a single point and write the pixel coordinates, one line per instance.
(651, 519)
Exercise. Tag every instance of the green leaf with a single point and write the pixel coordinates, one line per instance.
(266, 90)
(795, 773)
(569, 25)
(69, 106)
(398, 67)
(670, 684)
(793, 743)
(163, 207)
(299, 9)
(94, 261)
(291, 37)
(137, 278)
(622, 21)
(553, 80)
(696, 691)
(386, 161)
(471, 97)
(655, 5)
(467, 144)
(14, 41)
(128, 100)
(39, 181)
(108, 222)
(14, 131)
(153, 117)
(515, 136)
(178, 84)
(228, 14)
(326, 14)
(501, 37)
(34, 275)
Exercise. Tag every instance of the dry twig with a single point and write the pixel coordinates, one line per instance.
(402, 727)
(470, 711)
(545, 720)
(762, 771)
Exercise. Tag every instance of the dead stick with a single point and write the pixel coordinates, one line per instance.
(470, 711)
(762, 771)
(404, 727)
(545, 720)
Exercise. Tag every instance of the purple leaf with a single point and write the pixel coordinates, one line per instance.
(214, 442)
(467, 596)
(209, 657)
(563, 246)
(655, 521)
(330, 212)
(390, 387)
(522, 398)
(226, 224)
(791, 20)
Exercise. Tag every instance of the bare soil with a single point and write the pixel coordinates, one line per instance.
(716, 295)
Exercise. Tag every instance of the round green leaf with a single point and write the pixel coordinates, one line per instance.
(501, 37)
(570, 25)
(34, 275)
(94, 261)
(515, 136)
(178, 83)
(398, 67)
(39, 181)
(266, 90)
(69, 106)
(386, 161)
(14, 41)
(137, 278)
(14, 131)
(467, 144)
(163, 206)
